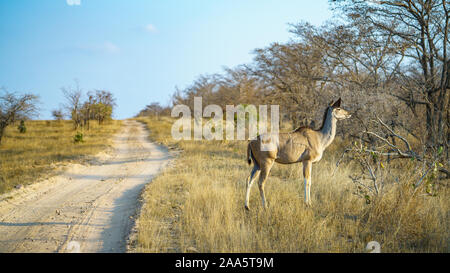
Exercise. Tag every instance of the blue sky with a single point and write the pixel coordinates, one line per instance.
(137, 49)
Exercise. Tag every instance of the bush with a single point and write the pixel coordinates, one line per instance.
(22, 128)
(78, 137)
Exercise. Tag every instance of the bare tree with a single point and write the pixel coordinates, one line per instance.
(294, 73)
(73, 103)
(428, 167)
(235, 86)
(420, 29)
(87, 110)
(14, 107)
(359, 66)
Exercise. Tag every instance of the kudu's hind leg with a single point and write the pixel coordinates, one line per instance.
(250, 180)
(265, 170)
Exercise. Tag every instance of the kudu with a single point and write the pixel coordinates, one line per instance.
(301, 145)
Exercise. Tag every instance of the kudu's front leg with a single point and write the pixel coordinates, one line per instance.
(307, 166)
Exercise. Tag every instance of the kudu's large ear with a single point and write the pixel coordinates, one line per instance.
(337, 103)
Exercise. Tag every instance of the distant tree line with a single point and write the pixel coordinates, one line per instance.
(98, 106)
(389, 58)
(154, 109)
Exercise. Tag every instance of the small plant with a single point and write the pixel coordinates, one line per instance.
(22, 128)
(78, 137)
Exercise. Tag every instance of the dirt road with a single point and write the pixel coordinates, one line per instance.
(86, 208)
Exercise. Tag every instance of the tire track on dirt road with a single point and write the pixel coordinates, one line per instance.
(92, 205)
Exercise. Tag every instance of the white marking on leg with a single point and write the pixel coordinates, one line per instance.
(261, 192)
(250, 180)
(247, 196)
(306, 195)
(263, 198)
(309, 191)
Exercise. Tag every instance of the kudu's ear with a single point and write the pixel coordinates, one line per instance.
(337, 103)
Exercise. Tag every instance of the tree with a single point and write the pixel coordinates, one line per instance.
(99, 106)
(295, 75)
(87, 110)
(15, 107)
(103, 105)
(73, 103)
(236, 86)
(420, 28)
(359, 66)
(153, 109)
(57, 114)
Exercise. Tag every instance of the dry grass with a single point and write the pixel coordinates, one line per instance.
(26, 157)
(199, 203)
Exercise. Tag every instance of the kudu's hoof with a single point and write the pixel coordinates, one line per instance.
(247, 208)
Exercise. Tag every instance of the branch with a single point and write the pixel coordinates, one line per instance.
(409, 153)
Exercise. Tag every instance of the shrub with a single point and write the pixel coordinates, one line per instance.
(78, 137)
(22, 128)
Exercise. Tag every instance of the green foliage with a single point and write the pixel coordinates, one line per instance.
(22, 128)
(78, 138)
(367, 197)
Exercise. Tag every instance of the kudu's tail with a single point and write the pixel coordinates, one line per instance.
(251, 156)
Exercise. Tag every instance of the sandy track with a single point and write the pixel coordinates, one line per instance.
(91, 205)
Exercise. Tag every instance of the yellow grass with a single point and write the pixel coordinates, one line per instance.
(24, 158)
(199, 204)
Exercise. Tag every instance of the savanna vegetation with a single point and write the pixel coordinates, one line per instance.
(385, 177)
(198, 205)
(29, 148)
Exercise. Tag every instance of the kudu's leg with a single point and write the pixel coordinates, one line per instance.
(307, 166)
(266, 166)
(250, 180)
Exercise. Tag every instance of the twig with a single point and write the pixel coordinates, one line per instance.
(339, 161)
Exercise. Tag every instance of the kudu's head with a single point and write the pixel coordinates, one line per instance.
(338, 112)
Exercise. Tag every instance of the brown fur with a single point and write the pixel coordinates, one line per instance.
(301, 145)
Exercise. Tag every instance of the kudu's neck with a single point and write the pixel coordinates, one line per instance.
(328, 131)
